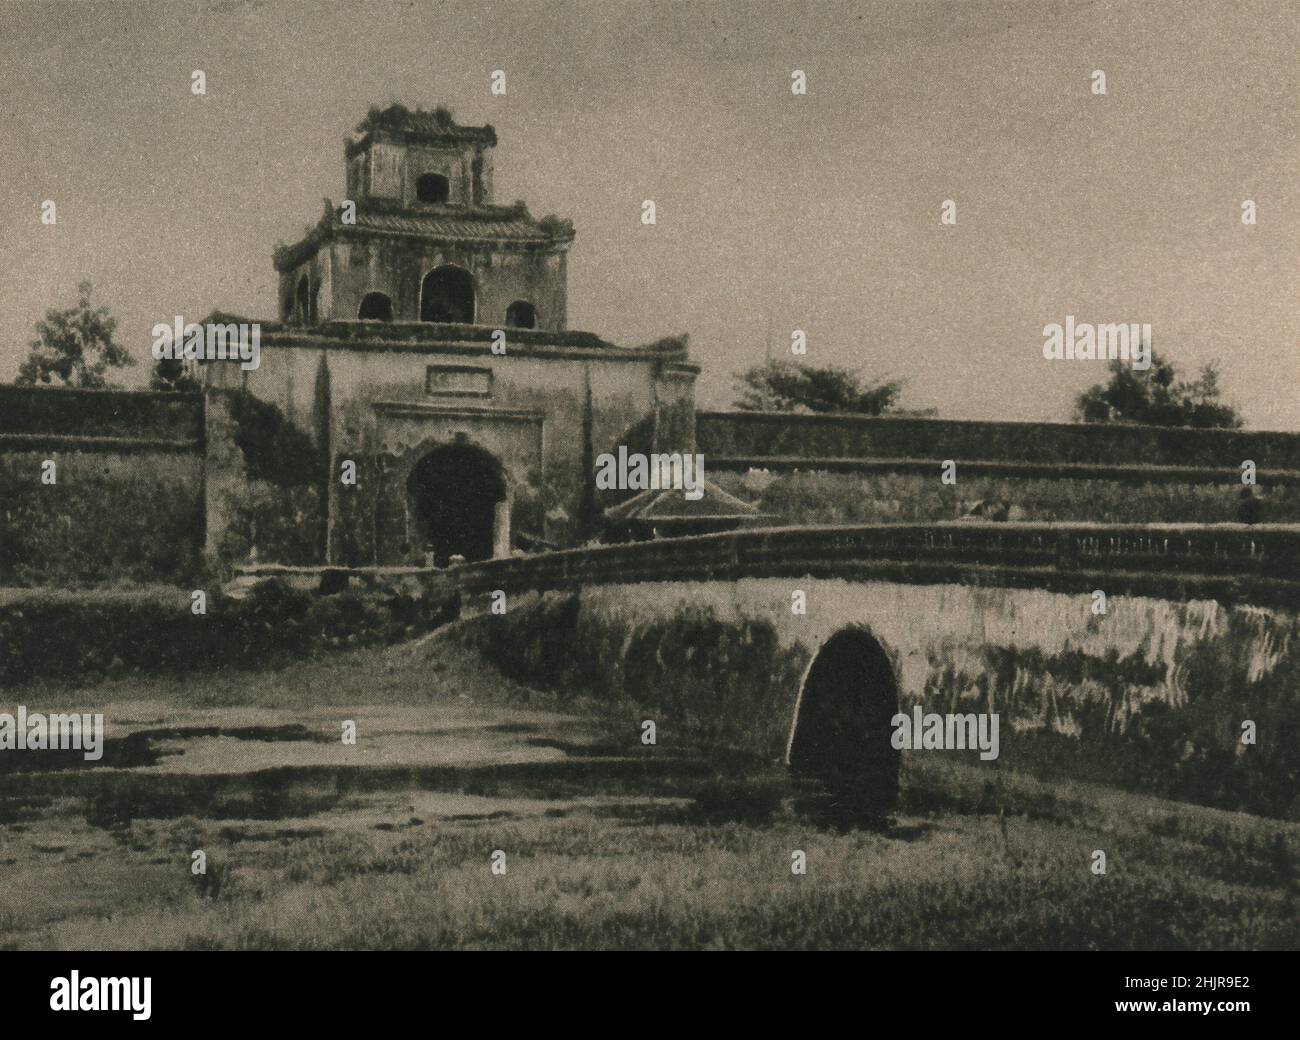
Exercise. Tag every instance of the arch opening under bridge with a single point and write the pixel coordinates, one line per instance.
(840, 736)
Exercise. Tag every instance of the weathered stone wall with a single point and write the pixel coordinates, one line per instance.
(819, 497)
(1151, 695)
(265, 485)
(371, 402)
(128, 497)
(396, 266)
(132, 414)
(753, 434)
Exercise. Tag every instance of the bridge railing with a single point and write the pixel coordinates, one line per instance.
(1210, 556)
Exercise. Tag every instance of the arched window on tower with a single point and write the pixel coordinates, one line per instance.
(447, 294)
(375, 306)
(432, 187)
(521, 315)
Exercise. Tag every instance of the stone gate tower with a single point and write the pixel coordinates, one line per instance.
(423, 338)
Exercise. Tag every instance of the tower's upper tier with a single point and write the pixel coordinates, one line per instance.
(419, 239)
(407, 158)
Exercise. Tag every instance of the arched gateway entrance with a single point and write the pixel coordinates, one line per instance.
(459, 504)
(841, 732)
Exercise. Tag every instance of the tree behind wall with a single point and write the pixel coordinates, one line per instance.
(783, 386)
(1155, 396)
(74, 347)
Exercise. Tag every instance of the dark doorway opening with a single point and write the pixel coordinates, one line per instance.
(447, 294)
(521, 315)
(304, 300)
(375, 306)
(432, 187)
(458, 495)
(842, 729)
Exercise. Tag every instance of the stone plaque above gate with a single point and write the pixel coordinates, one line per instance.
(458, 381)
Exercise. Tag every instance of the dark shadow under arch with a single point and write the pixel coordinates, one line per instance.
(842, 729)
(447, 295)
(454, 494)
(303, 300)
(521, 315)
(375, 306)
(432, 187)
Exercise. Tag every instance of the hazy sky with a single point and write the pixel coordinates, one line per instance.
(775, 211)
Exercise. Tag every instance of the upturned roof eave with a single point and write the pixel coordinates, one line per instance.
(288, 257)
(541, 239)
(291, 256)
(641, 506)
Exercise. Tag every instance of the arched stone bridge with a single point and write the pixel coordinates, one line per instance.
(802, 644)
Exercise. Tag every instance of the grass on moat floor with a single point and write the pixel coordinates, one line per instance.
(601, 849)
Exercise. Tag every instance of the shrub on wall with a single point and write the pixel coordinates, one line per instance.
(274, 449)
(280, 509)
(283, 523)
(727, 685)
(851, 498)
(156, 631)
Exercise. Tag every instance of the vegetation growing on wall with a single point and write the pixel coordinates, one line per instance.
(131, 414)
(750, 435)
(1192, 751)
(274, 449)
(556, 227)
(99, 485)
(852, 498)
(725, 686)
(107, 517)
(727, 683)
(155, 630)
(279, 511)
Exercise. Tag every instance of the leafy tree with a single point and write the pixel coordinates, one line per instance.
(74, 346)
(1157, 397)
(783, 386)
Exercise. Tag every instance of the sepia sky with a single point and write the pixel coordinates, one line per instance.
(775, 212)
